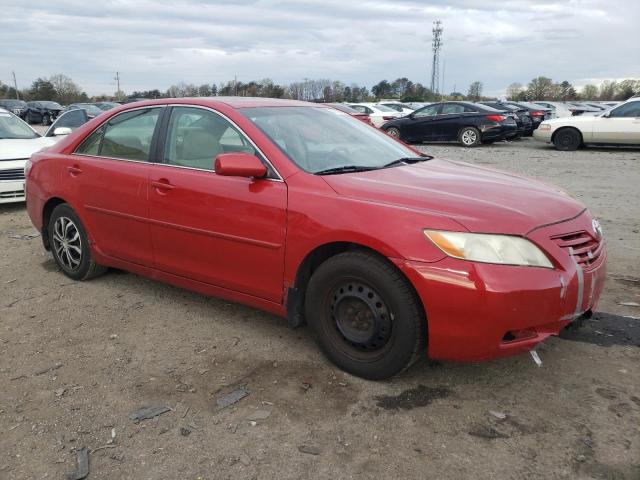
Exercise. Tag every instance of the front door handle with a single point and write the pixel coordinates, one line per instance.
(74, 171)
(162, 185)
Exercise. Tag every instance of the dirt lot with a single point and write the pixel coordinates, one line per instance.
(76, 359)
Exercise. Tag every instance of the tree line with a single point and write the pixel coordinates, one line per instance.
(64, 90)
(544, 88)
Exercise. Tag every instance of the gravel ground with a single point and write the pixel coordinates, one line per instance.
(76, 359)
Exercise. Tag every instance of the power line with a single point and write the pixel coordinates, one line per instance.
(435, 66)
(117, 79)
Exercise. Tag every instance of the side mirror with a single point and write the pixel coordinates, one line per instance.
(239, 165)
(61, 131)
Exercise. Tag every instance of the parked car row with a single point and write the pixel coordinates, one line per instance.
(45, 112)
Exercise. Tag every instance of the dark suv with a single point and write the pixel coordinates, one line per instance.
(42, 111)
(17, 107)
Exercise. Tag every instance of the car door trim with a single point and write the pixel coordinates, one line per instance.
(208, 233)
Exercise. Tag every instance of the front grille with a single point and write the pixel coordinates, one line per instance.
(585, 247)
(12, 194)
(12, 174)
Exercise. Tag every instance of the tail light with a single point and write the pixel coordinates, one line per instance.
(388, 118)
(537, 113)
(495, 118)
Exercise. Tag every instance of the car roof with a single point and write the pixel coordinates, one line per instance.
(233, 102)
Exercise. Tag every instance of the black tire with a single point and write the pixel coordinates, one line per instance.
(567, 139)
(365, 315)
(78, 266)
(393, 132)
(46, 120)
(469, 137)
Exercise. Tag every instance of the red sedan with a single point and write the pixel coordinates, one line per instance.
(306, 212)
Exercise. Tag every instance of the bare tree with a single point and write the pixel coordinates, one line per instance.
(475, 91)
(67, 91)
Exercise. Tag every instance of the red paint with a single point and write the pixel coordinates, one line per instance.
(244, 239)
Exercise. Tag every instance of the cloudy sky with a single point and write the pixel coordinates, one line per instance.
(154, 44)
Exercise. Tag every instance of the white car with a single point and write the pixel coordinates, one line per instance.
(379, 114)
(619, 126)
(403, 108)
(17, 142)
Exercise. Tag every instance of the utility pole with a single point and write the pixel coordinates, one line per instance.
(117, 79)
(435, 65)
(444, 64)
(15, 85)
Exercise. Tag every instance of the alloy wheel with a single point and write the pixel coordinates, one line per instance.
(67, 243)
(469, 137)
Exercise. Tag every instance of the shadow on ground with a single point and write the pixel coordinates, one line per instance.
(605, 329)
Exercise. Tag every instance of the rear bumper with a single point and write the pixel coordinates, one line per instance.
(498, 132)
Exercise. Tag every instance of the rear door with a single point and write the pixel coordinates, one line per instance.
(109, 173)
(621, 126)
(220, 230)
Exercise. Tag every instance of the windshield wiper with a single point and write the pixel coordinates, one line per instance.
(407, 160)
(345, 169)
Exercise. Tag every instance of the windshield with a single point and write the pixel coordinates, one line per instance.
(52, 105)
(11, 127)
(383, 108)
(90, 108)
(318, 139)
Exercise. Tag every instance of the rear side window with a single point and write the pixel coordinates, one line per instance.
(449, 108)
(126, 136)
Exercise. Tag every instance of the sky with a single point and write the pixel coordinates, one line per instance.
(154, 44)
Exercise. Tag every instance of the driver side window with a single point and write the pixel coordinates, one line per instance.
(631, 109)
(427, 111)
(196, 136)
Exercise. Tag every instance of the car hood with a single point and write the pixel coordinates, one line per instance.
(11, 149)
(480, 199)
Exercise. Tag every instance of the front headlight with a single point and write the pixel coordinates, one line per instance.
(487, 248)
(544, 126)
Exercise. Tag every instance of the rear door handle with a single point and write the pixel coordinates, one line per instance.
(162, 184)
(74, 171)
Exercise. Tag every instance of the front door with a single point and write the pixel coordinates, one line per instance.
(109, 174)
(622, 125)
(224, 231)
(421, 124)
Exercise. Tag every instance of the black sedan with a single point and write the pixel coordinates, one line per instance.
(468, 123)
(17, 107)
(524, 120)
(42, 112)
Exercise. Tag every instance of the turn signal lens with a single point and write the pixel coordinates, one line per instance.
(487, 248)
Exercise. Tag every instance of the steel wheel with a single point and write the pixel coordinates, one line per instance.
(361, 319)
(67, 243)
